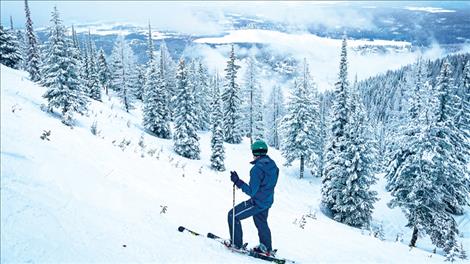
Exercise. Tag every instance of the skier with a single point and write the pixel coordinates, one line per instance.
(263, 179)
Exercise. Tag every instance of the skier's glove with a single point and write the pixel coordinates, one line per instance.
(234, 176)
(235, 179)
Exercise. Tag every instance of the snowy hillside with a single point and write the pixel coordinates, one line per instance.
(120, 195)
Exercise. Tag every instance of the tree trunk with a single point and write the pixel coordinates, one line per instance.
(414, 237)
(301, 166)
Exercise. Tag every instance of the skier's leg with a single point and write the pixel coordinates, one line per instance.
(238, 240)
(242, 211)
(264, 233)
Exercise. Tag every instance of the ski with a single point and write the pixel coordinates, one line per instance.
(182, 229)
(242, 251)
(250, 253)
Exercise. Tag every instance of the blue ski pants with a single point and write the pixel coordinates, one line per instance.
(260, 216)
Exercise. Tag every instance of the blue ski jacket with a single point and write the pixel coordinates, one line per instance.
(263, 179)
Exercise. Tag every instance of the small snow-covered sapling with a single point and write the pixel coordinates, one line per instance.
(164, 209)
(45, 135)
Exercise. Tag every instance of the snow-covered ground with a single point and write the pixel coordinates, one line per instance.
(79, 197)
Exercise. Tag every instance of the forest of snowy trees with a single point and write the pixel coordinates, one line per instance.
(411, 125)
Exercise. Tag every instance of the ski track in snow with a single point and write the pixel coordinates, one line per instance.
(81, 198)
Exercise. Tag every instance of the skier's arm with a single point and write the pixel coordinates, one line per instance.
(255, 181)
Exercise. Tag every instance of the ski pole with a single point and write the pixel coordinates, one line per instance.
(233, 217)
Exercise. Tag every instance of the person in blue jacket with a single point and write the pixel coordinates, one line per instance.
(263, 179)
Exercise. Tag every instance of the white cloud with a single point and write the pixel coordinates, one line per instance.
(429, 9)
(173, 16)
(323, 53)
(191, 17)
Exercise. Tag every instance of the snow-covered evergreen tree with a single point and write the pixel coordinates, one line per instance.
(253, 104)
(463, 117)
(232, 103)
(275, 113)
(22, 48)
(104, 74)
(123, 72)
(9, 48)
(217, 139)
(16, 45)
(202, 96)
(186, 140)
(427, 177)
(417, 188)
(193, 81)
(336, 151)
(300, 124)
(33, 58)
(61, 78)
(354, 204)
(92, 78)
(454, 162)
(116, 67)
(155, 107)
(150, 47)
(168, 71)
(155, 97)
(75, 41)
(323, 136)
(140, 81)
(85, 72)
(20, 45)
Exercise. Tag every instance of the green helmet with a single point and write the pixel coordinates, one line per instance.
(259, 148)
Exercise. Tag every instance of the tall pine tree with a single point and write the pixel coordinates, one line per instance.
(186, 140)
(300, 124)
(155, 97)
(33, 58)
(336, 150)
(457, 183)
(168, 73)
(20, 36)
(61, 78)
(323, 135)
(155, 106)
(354, 204)
(217, 144)
(463, 117)
(202, 96)
(104, 74)
(140, 81)
(9, 48)
(426, 177)
(275, 114)
(253, 103)
(123, 72)
(92, 77)
(232, 103)
(150, 47)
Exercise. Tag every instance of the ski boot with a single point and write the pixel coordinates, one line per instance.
(229, 244)
(263, 250)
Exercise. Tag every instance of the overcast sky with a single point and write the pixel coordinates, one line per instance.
(194, 16)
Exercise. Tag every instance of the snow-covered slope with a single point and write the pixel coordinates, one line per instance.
(79, 197)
